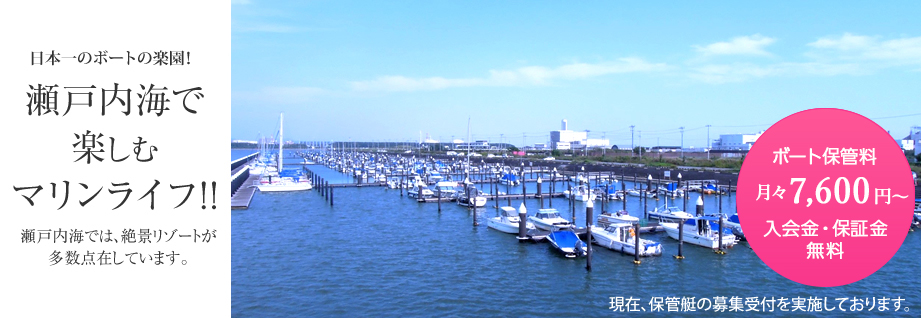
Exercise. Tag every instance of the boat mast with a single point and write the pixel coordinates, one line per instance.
(281, 141)
(468, 152)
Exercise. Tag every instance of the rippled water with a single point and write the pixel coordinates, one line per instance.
(375, 253)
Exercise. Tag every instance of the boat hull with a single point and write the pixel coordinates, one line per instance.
(647, 247)
(300, 186)
(500, 225)
(567, 243)
(691, 237)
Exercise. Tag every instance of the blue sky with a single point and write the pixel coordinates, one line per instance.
(384, 71)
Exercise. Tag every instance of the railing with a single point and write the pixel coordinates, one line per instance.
(237, 180)
(239, 162)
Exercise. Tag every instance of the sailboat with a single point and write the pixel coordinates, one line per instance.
(286, 180)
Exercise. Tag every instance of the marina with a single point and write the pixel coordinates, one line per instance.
(458, 250)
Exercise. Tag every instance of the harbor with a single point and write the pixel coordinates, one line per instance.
(374, 242)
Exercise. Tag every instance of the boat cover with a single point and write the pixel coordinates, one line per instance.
(564, 238)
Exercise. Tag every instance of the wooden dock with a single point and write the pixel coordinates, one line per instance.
(241, 199)
(537, 235)
(500, 197)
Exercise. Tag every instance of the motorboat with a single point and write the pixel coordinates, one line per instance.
(616, 217)
(669, 214)
(612, 194)
(578, 193)
(414, 191)
(476, 200)
(703, 231)
(621, 237)
(549, 219)
(509, 179)
(445, 189)
(732, 222)
(638, 193)
(508, 220)
(567, 242)
(918, 212)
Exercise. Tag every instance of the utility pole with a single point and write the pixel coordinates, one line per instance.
(604, 136)
(632, 146)
(523, 143)
(707, 145)
(639, 134)
(682, 142)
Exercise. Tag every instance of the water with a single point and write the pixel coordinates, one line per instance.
(375, 253)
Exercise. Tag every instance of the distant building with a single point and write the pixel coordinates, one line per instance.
(476, 146)
(565, 139)
(736, 141)
(913, 140)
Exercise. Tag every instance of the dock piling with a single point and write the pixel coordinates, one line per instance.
(540, 194)
(522, 223)
(589, 207)
(680, 239)
(636, 243)
(720, 244)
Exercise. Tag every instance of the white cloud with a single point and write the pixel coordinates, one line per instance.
(726, 73)
(902, 51)
(845, 42)
(282, 94)
(743, 45)
(266, 27)
(524, 76)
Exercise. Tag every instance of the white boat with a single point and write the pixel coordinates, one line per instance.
(918, 212)
(611, 195)
(549, 219)
(478, 200)
(508, 220)
(414, 191)
(445, 189)
(284, 184)
(509, 179)
(669, 214)
(621, 237)
(286, 181)
(616, 217)
(638, 193)
(578, 193)
(701, 231)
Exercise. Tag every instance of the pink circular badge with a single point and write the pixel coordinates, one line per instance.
(825, 197)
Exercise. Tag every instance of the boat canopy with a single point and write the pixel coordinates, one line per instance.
(510, 177)
(564, 238)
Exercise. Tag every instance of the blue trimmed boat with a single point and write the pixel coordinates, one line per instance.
(567, 242)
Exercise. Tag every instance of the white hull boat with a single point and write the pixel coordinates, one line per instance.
(669, 214)
(617, 217)
(621, 237)
(284, 185)
(578, 194)
(550, 220)
(507, 221)
(700, 231)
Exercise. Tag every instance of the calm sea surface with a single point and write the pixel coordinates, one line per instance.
(377, 254)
